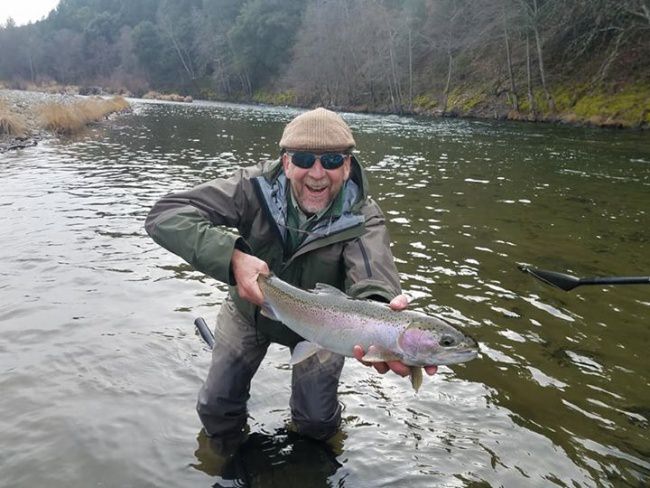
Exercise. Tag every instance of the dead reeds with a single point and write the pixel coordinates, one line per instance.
(70, 118)
(11, 123)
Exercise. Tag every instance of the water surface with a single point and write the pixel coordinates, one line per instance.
(99, 365)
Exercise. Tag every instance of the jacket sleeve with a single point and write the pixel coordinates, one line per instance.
(203, 225)
(370, 268)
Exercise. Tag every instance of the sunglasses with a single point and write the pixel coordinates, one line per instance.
(306, 160)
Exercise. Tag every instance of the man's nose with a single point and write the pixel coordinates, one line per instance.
(317, 170)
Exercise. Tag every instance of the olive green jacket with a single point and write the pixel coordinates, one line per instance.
(348, 248)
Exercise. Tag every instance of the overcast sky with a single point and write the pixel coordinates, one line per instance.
(24, 11)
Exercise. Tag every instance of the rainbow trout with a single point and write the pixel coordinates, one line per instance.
(330, 320)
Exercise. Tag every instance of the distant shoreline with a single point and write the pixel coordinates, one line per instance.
(461, 107)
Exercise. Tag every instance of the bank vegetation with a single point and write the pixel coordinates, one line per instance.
(23, 122)
(577, 61)
(11, 122)
(70, 118)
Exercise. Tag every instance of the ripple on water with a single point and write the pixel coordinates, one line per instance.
(101, 368)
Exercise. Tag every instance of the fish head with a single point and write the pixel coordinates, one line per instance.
(428, 340)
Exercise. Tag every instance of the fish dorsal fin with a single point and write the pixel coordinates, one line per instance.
(305, 350)
(324, 289)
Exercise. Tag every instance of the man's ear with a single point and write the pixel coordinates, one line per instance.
(285, 161)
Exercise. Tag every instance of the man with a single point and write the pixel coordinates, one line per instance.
(308, 219)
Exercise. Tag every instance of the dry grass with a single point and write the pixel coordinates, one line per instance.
(73, 117)
(11, 123)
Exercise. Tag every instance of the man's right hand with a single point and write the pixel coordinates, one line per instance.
(246, 269)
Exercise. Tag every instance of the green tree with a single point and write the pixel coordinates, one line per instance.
(152, 53)
(262, 37)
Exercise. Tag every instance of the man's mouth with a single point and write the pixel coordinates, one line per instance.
(316, 189)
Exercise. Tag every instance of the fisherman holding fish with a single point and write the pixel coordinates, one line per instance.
(305, 219)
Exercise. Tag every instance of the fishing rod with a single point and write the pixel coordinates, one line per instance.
(204, 331)
(567, 282)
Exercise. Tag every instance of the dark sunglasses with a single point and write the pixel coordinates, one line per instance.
(306, 160)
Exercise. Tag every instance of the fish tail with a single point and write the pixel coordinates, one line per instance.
(416, 377)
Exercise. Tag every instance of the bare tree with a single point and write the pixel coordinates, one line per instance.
(511, 76)
(178, 26)
(533, 15)
(529, 80)
(639, 9)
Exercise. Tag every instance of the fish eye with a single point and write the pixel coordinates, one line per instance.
(447, 341)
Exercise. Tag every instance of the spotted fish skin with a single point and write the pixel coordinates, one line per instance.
(331, 320)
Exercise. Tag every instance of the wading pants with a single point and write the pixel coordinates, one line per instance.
(238, 351)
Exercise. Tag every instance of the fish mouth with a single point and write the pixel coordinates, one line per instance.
(454, 357)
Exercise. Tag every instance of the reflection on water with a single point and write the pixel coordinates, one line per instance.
(279, 458)
(100, 366)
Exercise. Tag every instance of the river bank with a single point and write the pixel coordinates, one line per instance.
(24, 120)
(614, 106)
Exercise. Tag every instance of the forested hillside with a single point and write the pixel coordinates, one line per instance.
(574, 60)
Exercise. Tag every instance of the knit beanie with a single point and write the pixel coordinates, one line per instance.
(318, 130)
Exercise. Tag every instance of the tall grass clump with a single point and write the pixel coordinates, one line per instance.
(73, 117)
(11, 123)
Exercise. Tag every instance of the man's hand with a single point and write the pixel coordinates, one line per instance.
(246, 269)
(400, 302)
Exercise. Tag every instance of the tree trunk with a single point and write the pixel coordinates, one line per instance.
(31, 66)
(513, 88)
(410, 73)
(397, 99)
(246, 84)
(187, 63)
(613, 54)
(529, 78)
(448, 85)
(390, 93)
(540, 60)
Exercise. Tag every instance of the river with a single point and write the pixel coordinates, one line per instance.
(100, 366)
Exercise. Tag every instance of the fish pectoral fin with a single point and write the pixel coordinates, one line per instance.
(267, 311)
(376, 354)
(323, 289)
(305, 350)
(416, 377)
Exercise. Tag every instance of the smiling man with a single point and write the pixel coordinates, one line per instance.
(306, 217)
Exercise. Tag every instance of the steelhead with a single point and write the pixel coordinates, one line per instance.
(330, 320)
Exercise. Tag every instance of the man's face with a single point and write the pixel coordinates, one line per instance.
(314, 188)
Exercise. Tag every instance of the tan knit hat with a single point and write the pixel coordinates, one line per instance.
(318, 130)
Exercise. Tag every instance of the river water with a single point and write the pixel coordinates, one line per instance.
(100, 366)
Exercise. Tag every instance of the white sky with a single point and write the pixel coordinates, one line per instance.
(24, 11)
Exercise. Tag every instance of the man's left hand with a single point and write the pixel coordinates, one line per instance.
(400, 302)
